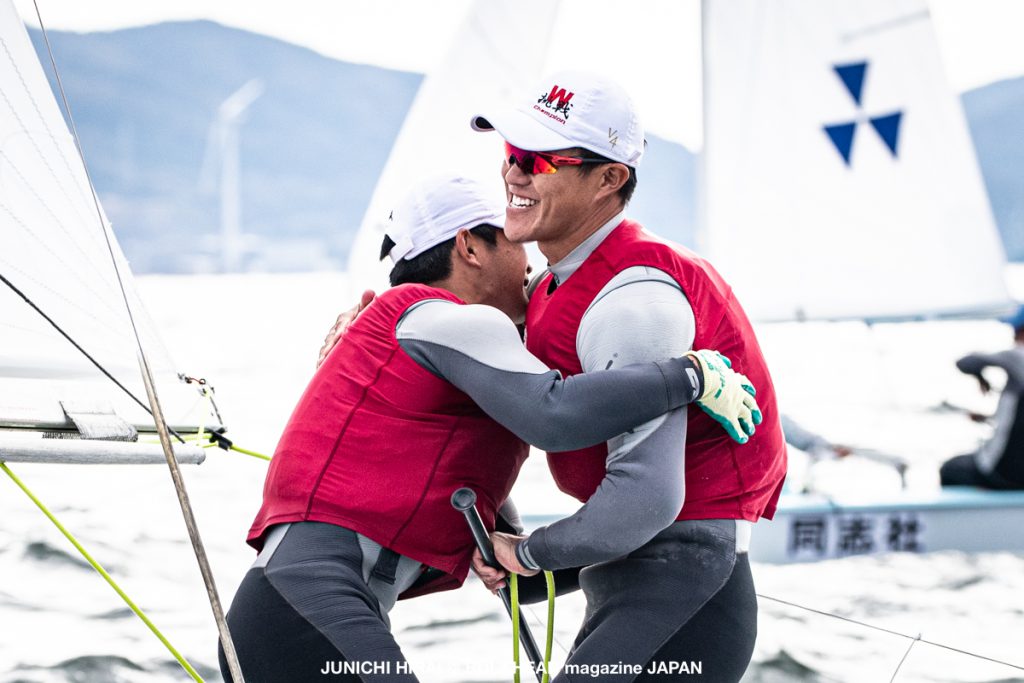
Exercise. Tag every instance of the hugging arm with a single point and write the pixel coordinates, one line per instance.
(478, 349)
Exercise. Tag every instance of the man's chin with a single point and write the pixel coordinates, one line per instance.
(518, 231)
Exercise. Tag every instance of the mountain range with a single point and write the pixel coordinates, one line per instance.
(145, 100)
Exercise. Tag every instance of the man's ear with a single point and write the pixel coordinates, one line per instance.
(466, 248)
(613, 177)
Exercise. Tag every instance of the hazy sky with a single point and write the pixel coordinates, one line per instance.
(980, 39)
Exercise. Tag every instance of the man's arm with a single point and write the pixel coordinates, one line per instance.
(800, 437)
(345, 319)
(477, 348)
(1010, 360)
(642, 315)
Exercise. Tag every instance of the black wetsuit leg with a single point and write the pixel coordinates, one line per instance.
(1008, 473)
(273, 640)
(643, 603)
(961, 471)
(308, 613)
(718, 641)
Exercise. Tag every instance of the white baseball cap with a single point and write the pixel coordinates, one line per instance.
(435, 209)
(571, 109)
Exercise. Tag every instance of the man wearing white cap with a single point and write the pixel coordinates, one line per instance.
(670, 506)
(430, 390)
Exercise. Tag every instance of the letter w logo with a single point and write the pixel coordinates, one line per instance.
(561, 95)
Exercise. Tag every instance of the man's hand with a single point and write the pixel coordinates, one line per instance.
(505, 552)
(983, 384)
(493, 578)
(728, 395)
(342, 323)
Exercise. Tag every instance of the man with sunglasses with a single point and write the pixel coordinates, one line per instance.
(430, 390)
(668, 507)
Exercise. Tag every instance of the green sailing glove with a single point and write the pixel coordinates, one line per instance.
(728, 395)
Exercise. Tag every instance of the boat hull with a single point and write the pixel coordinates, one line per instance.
(811, 527)
(808, 528)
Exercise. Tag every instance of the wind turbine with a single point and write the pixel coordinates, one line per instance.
(231, 114)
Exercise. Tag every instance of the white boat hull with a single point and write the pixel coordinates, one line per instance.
(807, 528)
(810, 527)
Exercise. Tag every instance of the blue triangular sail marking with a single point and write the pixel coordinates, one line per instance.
(842, 137)
(888, 128)
(852, 76)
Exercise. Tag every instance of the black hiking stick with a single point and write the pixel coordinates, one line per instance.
(464, 500)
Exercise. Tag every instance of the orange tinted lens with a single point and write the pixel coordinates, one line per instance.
(529, 162)
(542, 165)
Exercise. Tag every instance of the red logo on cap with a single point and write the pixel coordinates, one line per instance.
(558, 99)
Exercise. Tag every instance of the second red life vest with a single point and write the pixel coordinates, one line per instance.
(377, 444)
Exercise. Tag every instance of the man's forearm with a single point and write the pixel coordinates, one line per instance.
(641, 494)
(558, 414)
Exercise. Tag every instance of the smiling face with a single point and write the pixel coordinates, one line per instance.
(557, 210)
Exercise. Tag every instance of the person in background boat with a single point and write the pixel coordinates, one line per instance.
(430, 390)
(999, 463)
(817, 448)
(669, 507)
(812, 443)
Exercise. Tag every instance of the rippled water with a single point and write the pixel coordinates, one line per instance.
(872, 387)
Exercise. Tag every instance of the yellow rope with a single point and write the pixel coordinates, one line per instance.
(102, 572)
(549, 578)
(252, 453)
(513, 581)
(214, 444)
(514, 586)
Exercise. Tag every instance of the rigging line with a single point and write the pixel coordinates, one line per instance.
(891, 632)
(88, 177)
(158, 418)
(529, 610)
(69, 269)
(102, 572)
(905, 655)
(53, 323)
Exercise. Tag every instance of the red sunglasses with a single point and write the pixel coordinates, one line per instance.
(543, 162)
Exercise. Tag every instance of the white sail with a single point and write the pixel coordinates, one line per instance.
(839, 176)
(54, 250)
(499, 50)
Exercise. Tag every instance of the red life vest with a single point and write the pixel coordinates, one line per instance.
(377, 444)
(724, 480)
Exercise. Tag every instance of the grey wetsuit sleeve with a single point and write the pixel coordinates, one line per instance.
(477, 348)
(641, 494)
(641, 317)
(1010, 360)
(800, 437)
